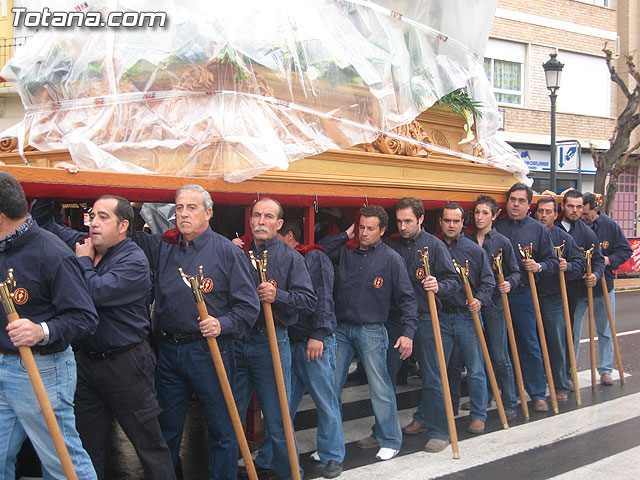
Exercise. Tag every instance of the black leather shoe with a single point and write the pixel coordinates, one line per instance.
(261, 471)
(333, 469)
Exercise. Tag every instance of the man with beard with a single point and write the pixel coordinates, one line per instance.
(616, 250)
(443, 281)
(585, 238)
(573, 264)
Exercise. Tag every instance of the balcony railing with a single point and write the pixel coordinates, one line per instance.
(7, 48)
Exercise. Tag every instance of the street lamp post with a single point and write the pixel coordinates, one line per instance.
(552, 72)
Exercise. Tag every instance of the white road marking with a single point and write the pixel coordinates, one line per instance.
(616, 466)
(494, 446)
(621, 334)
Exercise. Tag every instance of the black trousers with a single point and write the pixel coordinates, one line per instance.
(122, 386)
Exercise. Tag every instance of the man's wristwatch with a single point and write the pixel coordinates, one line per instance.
(45, 329)
(539, 268)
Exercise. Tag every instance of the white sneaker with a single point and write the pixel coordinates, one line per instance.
(315, 457)
(386, 453)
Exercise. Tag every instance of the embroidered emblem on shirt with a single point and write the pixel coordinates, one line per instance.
(377, 282)
(273, 282)
(605, 244)
(207, 285)
(420, 273)
(20, 296)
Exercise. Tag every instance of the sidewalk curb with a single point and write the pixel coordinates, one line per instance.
(627, 287)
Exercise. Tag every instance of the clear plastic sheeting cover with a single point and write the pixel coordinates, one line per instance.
(232, 89)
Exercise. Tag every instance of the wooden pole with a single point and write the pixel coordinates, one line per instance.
(38, 386)
(592, 323)
(567, 326)
(526, 253)
(614, 336)
(221, 372)
(437, 336)
(497, 260)
(464, 273)
(261, 266)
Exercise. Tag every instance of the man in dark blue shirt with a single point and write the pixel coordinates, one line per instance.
(523, 230)
(116, 366)
(55, 309)
(313, 356)
(290, 292)
(443, 281)
(184, 360)
(615, 250)
(457, 320)
(369, 277)
(585, 238)
(485, 212)
(573, 264)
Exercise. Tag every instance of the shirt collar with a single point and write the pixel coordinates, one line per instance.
(198, 242)
(6, 242)
(489, 234)
(116, 247)
(454, 242)
(268, 245)
(413, 240)
(371, 247)
(517, 222)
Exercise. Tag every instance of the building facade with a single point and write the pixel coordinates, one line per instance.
(523, 36)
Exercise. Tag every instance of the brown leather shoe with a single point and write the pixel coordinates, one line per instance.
(413, 428)
(465, 406)
(605, 379)
(562, 397)
(540, 406)
(476, 426)
(367, 443)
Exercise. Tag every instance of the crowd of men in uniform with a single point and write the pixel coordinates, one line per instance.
(331, 302)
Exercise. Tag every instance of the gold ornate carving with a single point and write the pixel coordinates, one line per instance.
(391, 145)
(440, 139)
(478, 151)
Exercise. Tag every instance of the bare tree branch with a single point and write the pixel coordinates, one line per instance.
(633, 71)
(614, 135)
(614, 74)
(628, 153)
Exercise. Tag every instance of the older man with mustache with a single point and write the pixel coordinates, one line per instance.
(290, 292)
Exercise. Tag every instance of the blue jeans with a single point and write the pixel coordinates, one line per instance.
(556, 334)
(603, 329)
(495, 332)
(432, 403)
(255, 372)
(394, 362)
(458, 328)
(370, 342)
(186, 369)
(525, 328)
(316, 377)
(455, 366)
(20, 414)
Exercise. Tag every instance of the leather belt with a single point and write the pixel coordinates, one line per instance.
(182, 338)
(451, 310)
(112, 352)
(16, 353)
